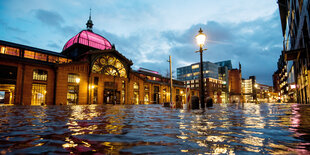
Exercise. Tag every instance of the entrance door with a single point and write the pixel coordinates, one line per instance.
(111, 96)
(7, 92)
(156, 94)
(8, 76)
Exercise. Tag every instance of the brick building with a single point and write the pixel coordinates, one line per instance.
(235, 85)
(89, 70)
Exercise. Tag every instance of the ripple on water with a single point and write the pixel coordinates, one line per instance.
(140, 129)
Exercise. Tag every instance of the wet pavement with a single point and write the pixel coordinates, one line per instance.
(152, 129)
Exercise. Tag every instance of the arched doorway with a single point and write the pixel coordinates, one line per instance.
(113, 69)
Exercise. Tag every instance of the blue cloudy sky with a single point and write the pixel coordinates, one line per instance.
(148, 31)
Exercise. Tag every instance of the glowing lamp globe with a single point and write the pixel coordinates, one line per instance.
(201, 38)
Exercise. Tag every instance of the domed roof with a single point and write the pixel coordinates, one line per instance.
(88, 38)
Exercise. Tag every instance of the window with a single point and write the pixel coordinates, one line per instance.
(146, 88)
(29, 54)
(109, 65)
(123, 92)
(72, 95)
(38, 94)
(62, 60)
(164, 95)
(73, 88)
(40, 56)
(136, 93)
(73, 78)
(52, 59)
(9, 50)
(40, 75)
(96, 81)
(146, 94)
(135, 86)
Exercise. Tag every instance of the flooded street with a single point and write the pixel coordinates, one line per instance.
(140, 129)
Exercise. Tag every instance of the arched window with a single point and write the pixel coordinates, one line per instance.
(109, 65)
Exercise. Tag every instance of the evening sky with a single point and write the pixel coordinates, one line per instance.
(148, 31)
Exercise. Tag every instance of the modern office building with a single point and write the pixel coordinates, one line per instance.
(295, 22)
(215, 79)
(247, 90)
(89, 70)
(224, 67)
(192, 72)
(226, 63)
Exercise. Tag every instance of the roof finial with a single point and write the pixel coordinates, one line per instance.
(89, 23)
(90, 13)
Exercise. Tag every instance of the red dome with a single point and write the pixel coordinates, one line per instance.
(89, 38)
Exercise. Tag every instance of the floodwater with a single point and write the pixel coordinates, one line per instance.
(152, 129)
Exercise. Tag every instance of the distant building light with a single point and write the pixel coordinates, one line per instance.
(293, 86)
(256, 85)
(195, 66)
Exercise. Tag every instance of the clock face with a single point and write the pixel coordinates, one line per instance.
(109, 65)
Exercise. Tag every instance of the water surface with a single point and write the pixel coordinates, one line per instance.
(140, 129)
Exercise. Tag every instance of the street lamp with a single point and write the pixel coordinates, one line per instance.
(77, 80)
(201, 39)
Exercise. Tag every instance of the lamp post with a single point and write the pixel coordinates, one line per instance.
(201, 39)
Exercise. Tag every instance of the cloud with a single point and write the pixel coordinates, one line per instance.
(255, 44)
(49, 18)
(55, 21)
(149, 31)
(53, 45)
(10, 28)
(22, 40)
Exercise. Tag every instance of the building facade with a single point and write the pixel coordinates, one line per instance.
(224, 67)
(295, 22)
(247, 90)
(89, 70)
(215, 79)
(192, 72)
(235, 85)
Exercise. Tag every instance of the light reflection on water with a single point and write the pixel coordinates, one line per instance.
(139, 129)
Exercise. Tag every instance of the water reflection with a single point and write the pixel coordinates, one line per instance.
(141, 129)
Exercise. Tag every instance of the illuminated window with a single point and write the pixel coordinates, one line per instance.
(53, 59)
(195, 66)
(40, 56)
(123, 91)
(146, 94)
(9, 50)
(73, 78)
(40, 75)
(2, 48)
(62, 60)
(146, 88)
(109, 65)
(135, 86)
(136, 93)
(72, 95)
(38, 94)
(29, 54)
